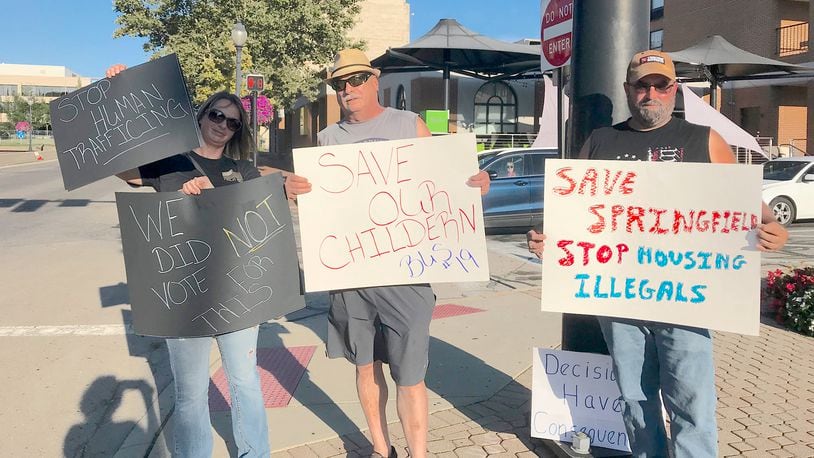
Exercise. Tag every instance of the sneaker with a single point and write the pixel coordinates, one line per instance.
(393, 454)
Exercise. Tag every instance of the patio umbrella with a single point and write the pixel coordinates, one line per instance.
(451, 47)
(716, 60)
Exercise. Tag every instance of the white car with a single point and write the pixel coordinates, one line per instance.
(788, 188)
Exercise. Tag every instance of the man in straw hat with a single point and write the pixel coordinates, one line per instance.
(389, 324)
(657, 361)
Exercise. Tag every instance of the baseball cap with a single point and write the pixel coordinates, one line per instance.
(349, 61)
(650, 63)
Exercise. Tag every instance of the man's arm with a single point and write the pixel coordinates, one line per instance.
(421, 128)
(719, 150)
(771, 235)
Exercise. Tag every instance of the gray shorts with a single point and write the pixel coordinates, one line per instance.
(390, 324)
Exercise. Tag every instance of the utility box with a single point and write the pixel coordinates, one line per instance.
(437, 120)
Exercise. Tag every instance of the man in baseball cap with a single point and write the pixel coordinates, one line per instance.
(379, 325)
(652, 360)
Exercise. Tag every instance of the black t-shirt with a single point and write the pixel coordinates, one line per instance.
(676, 141)
(171, 173)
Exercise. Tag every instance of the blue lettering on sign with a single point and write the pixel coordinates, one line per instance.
(689, 259)
(438, 256)
(599, 287)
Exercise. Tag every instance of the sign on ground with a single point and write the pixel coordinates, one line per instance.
(576, 392)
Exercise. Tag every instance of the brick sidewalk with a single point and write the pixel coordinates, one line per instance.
(765, 408)
(498, 427)
(765, 393)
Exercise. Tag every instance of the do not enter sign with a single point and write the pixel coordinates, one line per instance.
(556, 32)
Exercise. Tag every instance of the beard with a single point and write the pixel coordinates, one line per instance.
(653, 113)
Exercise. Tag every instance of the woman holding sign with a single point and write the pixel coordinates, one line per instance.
(221, 160)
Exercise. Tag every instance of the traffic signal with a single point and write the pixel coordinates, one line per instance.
(254, 82)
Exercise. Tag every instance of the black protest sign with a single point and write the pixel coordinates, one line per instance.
(205, 265)
(116, 124)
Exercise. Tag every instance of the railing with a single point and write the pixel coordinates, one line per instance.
(493, 141)
(40, 137)
(797, 147)
(792, 39)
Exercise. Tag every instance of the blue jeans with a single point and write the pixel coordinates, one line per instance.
(677, 360)
(189, 359)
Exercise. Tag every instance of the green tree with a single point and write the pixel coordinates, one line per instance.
(17, 110)
(289, 40)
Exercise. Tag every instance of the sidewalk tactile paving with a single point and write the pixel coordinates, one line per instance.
(280, 370)
(451, 310)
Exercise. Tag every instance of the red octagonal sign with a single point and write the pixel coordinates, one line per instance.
(555, 31)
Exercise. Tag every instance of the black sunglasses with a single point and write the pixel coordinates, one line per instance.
(663, 87)
(218, 117)
(354, 80)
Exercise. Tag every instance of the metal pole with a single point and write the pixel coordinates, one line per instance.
(30, 125)
(561, 115)
(254, 124)
(606, 35)
(237, 71)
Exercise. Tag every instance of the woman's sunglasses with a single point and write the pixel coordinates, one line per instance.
(218, 117)
(355, 81)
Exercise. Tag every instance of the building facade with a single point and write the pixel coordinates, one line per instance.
(777, 29)
(40, 83)
(381, 24)
(486, 108)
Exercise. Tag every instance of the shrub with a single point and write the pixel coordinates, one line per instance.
(791, 295)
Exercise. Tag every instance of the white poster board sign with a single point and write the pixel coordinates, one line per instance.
(573, 392)
(667, 242)
(391, 213)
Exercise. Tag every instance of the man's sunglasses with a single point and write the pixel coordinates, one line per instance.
(663, 87)
(354, 80)
(218, 117)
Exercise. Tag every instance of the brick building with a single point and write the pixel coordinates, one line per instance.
(777, 29)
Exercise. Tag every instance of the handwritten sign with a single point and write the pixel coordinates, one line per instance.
(116, 124)
(209, 264)
(668, 242)
(576, 392)
(390, 213)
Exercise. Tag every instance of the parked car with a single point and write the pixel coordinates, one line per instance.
(788, 188)
(515, 198)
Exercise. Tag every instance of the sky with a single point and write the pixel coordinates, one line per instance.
(78, 34)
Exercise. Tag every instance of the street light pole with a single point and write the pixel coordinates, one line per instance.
(239, 37)
(30, 125)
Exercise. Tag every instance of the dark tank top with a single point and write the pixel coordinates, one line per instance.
(676, 141)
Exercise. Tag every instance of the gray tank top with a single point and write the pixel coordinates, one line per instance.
(391, 124)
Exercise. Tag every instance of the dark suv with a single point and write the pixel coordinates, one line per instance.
(515, 198)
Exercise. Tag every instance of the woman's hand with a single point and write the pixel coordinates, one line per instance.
(296, 185)
(115, 69)
(194, 186)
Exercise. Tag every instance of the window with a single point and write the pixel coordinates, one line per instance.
(656, 9)
(47, 91)
(537, 163)
(495, 109)
(506, 167)
(8, 89)
(401, 99)
(656, 39)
